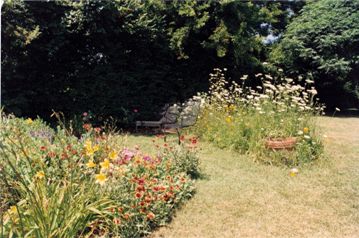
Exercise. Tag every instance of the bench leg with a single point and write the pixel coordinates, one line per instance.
(179, 136)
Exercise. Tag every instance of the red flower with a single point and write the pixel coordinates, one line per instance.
(140, 188)
(138, 195)
(43, 148)
(193, 140)
(148, 199)
(141, 181)
(87, 126)
(51, 154)
(97, 129)
(126, 216)
(64, 155)
(151, 216)
(182, 138)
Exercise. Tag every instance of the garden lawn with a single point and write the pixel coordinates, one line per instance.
(239, 198)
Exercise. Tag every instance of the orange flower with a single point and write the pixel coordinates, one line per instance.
(150, 216)
(305, 130)
(117, 221)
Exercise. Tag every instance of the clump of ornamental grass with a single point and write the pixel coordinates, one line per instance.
(244, 118)
(91, 186)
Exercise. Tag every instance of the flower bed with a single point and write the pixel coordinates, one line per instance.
(87, 187)
(243, 118)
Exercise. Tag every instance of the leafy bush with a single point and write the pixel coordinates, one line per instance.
(239, 117)
(323, 42)
(68, 187)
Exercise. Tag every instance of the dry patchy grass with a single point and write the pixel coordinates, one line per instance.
(239, 198)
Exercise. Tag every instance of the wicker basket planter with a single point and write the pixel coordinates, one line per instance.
(286, 143)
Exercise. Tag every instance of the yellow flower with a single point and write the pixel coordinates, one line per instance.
(100, 178)
(40, 175)
(89, 152)
(105, 164)
(96, 148)
(293, 172)
(29, 121)
(112, 155)
(91, 164)
(88, 144)
(305, 130)
(228, 119)
(12, 210)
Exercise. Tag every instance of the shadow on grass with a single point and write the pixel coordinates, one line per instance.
(344, 113)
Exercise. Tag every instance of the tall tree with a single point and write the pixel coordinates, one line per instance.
(323, 43)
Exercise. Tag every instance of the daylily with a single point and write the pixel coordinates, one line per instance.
(40, 175)
(100, 178)
(105, 164)
(91, 164)
(112, 155)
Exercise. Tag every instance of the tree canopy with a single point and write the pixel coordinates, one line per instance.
(323, 42)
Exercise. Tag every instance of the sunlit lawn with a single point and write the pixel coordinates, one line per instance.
(239, 198)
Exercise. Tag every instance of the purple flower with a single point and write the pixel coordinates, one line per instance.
(127, 154)
(147, 158)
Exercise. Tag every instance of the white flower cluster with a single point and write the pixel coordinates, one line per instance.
(283, 94)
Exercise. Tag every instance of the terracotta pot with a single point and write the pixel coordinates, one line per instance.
(281, 143)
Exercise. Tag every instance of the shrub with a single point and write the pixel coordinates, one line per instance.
(242, 118)
(92, 186)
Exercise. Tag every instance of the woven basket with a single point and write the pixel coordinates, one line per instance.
(287, 143)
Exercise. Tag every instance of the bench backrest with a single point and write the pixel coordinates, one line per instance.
(189, 113)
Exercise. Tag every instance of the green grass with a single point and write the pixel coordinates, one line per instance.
(240, 198)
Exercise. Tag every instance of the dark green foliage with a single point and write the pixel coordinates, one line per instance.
(324, 43)
(111, 57)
